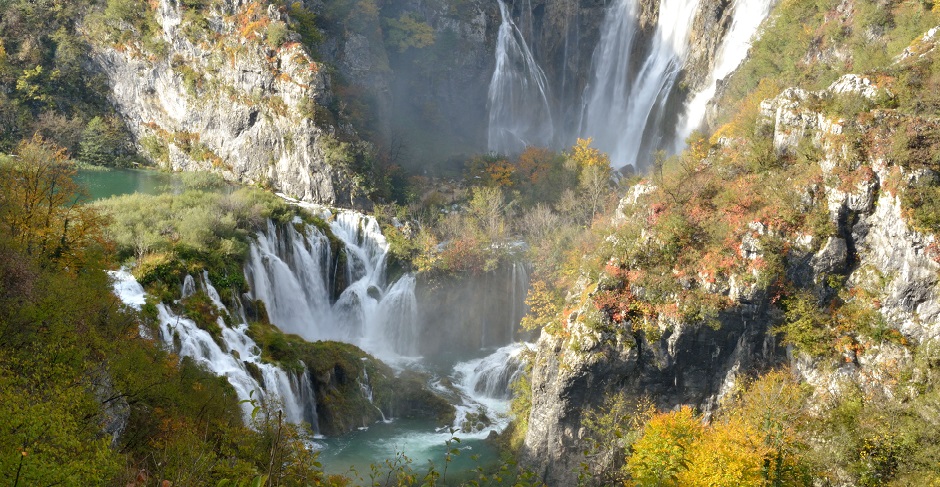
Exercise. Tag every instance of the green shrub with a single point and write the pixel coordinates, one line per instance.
(276, 34)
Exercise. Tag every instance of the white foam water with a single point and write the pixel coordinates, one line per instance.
(292, 393)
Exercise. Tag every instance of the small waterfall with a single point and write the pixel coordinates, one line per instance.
(289, 270)
(626, 100)
(365, 386)
(490, 377)
(519, 289)
(293, 394)
(189, 287)
(748, 15)
(484, 384)
(519, 111)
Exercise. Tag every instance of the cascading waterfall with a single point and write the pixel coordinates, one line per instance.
(485, 386)
(491, 376)
(292, 393)
(625, 100)
(289, 270)
(519, 111)
(747, 18)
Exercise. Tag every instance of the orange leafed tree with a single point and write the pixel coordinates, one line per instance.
(41, 210)
(587, 156)
(659, 456)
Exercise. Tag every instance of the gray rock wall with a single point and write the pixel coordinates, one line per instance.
(874, 248)
(229, 103)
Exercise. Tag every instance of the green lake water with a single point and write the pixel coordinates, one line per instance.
(101, 184)
(384, 444)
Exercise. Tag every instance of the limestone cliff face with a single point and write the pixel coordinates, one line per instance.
(227, 97)
(874, 247)
(425, 97)
(875, 242)
(688, 365)
(441, 89)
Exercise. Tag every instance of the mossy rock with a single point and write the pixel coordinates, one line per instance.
(339, 371)
(411, 398)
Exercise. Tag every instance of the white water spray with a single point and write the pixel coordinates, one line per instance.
(626, 99)
(520, 114)
(289, 269)
(292, 393)
(748, 15)
(485, 384)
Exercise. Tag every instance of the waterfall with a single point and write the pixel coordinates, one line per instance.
(747, 18)
(519, 288)
(630, 104)
(289, 270)
(365, 386)
(626, 99)
(519, 111)
(484, 385)
(490, 377)
(189, 287)
(292, 393)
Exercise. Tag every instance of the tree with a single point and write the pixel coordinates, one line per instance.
(734, 446)
(487, 208)
(595, 182)
(41, 207)
(544, 306)
(492, 171)
(408, 32)
(594, 170)
(539, 223)
(659, 456)
(100, 144)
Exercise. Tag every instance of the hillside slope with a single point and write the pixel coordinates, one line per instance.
(800, 236)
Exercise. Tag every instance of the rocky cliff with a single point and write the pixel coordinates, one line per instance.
(422, 97)
(870, 253)
(227, 88)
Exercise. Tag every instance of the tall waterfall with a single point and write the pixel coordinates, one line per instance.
(747, 18)
(626, 99)
(289, 270)
(519, 109)
(630, 104)
(292, 393)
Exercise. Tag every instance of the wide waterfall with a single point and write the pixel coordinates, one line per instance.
(291, 270)
(292, 393)
(520, 113)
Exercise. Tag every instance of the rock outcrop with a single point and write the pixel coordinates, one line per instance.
(233, 93)
(874, 249)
